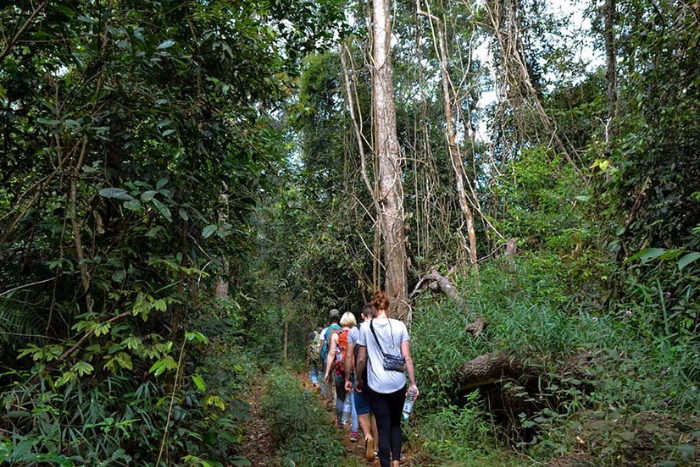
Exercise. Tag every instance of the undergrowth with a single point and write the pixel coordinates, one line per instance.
(141, 419)
(601, 371)
(302, 429)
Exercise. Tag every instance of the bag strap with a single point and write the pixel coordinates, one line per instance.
(371, 328)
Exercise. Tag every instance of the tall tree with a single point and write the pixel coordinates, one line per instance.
(390, 185)
(452, 146)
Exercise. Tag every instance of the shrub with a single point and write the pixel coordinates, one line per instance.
(298, 423)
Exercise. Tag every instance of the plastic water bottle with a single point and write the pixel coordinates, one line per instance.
(347, 409)
(408, 405)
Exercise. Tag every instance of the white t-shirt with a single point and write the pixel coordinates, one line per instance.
(354, 334)
(390, 333)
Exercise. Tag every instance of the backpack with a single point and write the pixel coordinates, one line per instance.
(340, 352)
(315, 346)
(329, 331)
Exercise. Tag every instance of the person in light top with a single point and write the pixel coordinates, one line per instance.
(386, 388)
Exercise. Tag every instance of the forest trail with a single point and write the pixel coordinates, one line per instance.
(357, 449)
(259, 447)
(257, 444)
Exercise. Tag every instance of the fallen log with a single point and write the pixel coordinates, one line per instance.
(488, 369)
(436, 282)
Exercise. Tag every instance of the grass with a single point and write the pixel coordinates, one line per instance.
(302, 429)
(636, 363)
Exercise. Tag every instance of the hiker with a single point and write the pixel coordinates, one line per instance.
(386, 349)
(313, 356)
(335, 364)
(361, 400)
(334, 316)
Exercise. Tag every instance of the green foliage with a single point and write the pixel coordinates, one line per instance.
(618, 365)
(437, 354)
(543, 202)
(109, 420)
(461, 436)
(137, 139)
(299, 424)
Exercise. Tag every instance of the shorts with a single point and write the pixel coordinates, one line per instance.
(362, 405)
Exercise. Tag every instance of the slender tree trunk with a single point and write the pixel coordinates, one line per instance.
(77, 240)
(611, 62)
(390, 184)
(286, 340)
(455, 156)
(359, 137)
(222, 286)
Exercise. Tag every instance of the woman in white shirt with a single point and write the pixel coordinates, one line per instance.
(386, 388)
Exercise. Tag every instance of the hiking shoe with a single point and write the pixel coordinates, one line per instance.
(353, 436)
(369, 449)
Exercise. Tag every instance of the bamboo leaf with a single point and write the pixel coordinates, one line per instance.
(687, 259)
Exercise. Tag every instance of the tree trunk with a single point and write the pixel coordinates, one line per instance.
(390, 184)
(611, 63)
(488, 369)
(350, 91)
(286, 340)
(455, 156)
(443, 284)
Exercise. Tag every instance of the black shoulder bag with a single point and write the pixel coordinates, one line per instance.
(390, 362)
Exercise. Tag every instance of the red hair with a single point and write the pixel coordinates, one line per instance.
(380, 302)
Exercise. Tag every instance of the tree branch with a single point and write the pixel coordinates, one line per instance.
(21, 30)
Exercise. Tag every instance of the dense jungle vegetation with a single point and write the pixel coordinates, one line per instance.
(188, 187)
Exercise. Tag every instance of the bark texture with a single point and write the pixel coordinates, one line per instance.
(488, 369)
(436, 282)
(477, 327)
(390, 185)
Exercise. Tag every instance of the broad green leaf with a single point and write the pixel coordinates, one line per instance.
(215, 401)
(132, 343)
(687, 259)
(209, 230)
(82, 368)
(196, 336)
(102, 329)
(67, 377)
(687, 451)
(183, 214)
(161, 183)
(167, 44)
(163, 209)
(168, 132)
(119, 276)
(49, 122)
(648, 255)
(124, 360)
(116, 193)
(153, 232)
(166, 363)
(147, 196)
(133, 205)
(199, 382)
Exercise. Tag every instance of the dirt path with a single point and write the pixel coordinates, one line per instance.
(259, 447)
(357, 449)
(257, 444)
